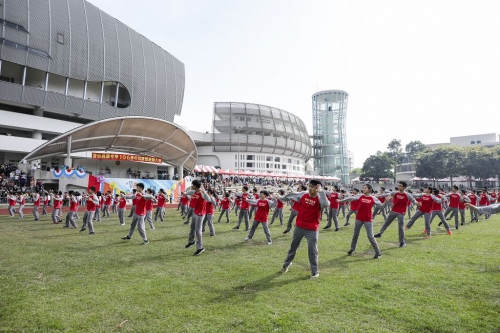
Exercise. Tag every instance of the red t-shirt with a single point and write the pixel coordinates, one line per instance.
(72, 205)
(309, 213)
(237, 202)
(427, 203)
(140, 205)
(354, 205)
(244, 204)
(57, 204)
(200, 208)
(108, 200)
(436, 206)
(296, 206)
(209, 208)
(12, 202)
(399, 203)
(483, 200)
(225, 203)
(454, 200)
(192, 203)
(123, 202)
(262, 211)
(184, 200)
(37, 202)
(279, 204)
(473, 199)
(149, 205)
(161, 200)
(333, 200)
(22, 200)
(90, 203)
(365, 205)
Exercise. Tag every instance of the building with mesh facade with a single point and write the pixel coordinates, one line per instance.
(267, 139)
(331, 157)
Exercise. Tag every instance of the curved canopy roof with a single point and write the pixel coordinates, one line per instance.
(135, 135)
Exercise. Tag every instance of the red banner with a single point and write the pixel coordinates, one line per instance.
(126, 157)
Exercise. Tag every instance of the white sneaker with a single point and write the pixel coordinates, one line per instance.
(313, 276)
(247, 239)
(269, 243)
(285, 268)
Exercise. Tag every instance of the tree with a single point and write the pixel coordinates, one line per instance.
(480, 162)
(377, 166)
(430, 164)
(395, 153)
(413, 149)
(453, 161)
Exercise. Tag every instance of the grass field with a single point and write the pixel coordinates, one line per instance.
(54, 279)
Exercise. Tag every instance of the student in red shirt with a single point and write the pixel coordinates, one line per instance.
(453, 207)
(107, 202)
(12, 204)
(36, 204)
(262, 211)
(149, 208)
(21, 201)
(353, 209)
(425, 202)
(73, 204)
(122, 205)
(364, 217)
(160, 207)
(295, 209)
(45, 199)
(225, 204)
(252, 208)
(92, 202)
(115, 203)
(132, 210)
(209, 207)
(278, 211)
(98, 209)
(381, 209)
(484, 200)
(473, 201)
(237, 205)
(140, 213)
(184, 202)
(200, 197)
(307, 224)
(244, 208)
(57, 207)
(333, 212)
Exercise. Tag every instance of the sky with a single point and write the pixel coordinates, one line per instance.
(414, 70)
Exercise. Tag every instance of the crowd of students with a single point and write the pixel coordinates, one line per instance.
(252, 207)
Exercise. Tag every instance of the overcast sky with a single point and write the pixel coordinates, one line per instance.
(414, 70)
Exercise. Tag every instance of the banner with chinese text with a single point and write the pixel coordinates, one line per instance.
(126, 157)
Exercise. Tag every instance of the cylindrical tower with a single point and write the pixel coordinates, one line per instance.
(329, 133)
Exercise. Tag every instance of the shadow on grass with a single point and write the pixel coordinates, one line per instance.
(249, 291)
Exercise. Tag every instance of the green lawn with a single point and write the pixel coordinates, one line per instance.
(54, 279)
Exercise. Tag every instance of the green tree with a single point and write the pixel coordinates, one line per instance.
(453, 161)
(430, 164)
(395, 153)
(413, 149)
(481, 162)
(377, 166)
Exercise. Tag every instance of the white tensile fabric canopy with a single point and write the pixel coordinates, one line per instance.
(135, 135)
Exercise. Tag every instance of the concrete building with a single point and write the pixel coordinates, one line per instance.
(66, 63)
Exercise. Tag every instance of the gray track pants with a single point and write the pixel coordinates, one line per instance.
(55, 215)
(278, 212)
(160, 211)
(243, 215)
(401, 224)
(454, 212)
(439, 214)
(132, 212)
(369, 233)
(12, 211)
(70, 219)
(349, 213)
(293, 215)
(312, 247)
(87, 220)
(209, 220)
(224, 211)
(138, 220)
(332, 214)
(20, 211)
(196, 225)
(121, 215)
(427, 220)
(149, 218)
(35, 213)
(255, 224)
(491, 209)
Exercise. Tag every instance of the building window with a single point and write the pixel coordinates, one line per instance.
(472, 142)
(24, 47)
(478, 141)
(290, 160)
(12, 25)
(250, 157)
(250, 165)
(269, 158)
(60, 38)
(283, 166)
(276, 159)
(242, 118)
